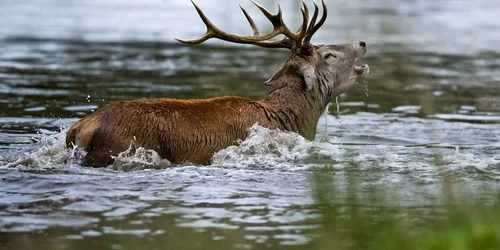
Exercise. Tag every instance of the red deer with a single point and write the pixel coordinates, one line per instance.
(191, 131)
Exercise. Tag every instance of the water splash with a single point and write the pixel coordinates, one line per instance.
(263, 148)
(139, 159)
(266, 148)
(271, 149)
(51, 153)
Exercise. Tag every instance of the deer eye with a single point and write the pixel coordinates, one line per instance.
(330, 55)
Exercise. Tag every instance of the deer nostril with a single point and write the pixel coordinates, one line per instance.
(362, 44)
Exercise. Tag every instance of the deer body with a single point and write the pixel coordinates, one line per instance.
(193, 130)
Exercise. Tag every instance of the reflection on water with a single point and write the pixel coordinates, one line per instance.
(429, 112)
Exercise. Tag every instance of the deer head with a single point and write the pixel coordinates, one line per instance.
(327, 70)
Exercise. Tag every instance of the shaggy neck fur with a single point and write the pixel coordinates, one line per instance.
(298, 109)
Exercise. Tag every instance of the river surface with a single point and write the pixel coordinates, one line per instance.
(425, 123)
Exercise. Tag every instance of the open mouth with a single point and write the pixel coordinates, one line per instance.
(361, 70)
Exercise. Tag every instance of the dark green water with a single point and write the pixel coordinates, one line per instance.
(421, 132)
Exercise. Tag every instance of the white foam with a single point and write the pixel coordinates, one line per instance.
(459, 162)
(397, 164)
(139, 159)
(262, 148)
(272, 149)
(51, 153)
(266, 148)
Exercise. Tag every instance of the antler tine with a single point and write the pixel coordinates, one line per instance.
(323, 17)
(251, 22)
(214, 32)
(292, 40)
(267, 13)
(311, 25)
(315, 27)
(208, 23)
(305, 19)
(279, 24)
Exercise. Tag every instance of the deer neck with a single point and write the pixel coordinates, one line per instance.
(298, 109)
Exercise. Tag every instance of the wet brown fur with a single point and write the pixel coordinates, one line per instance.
(182, 130)
(193, 130)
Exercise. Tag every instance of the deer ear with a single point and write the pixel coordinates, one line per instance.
(271, 81)
(309, 75)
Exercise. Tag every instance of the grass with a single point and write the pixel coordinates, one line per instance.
(458, 222)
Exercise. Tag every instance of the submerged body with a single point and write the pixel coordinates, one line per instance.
(193, 130)
(186, 130)
(170, 127)
(178, 130)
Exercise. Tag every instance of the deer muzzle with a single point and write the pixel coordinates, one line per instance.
(363, 69)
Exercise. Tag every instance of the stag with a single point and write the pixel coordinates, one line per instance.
(183, 131)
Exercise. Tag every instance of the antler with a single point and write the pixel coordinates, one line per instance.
(299, 39)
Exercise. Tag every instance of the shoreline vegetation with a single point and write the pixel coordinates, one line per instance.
(460, 221)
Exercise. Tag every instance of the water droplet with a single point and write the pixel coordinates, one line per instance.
(337, 102)
(366, 87)
(325, 117)
(338, 107)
